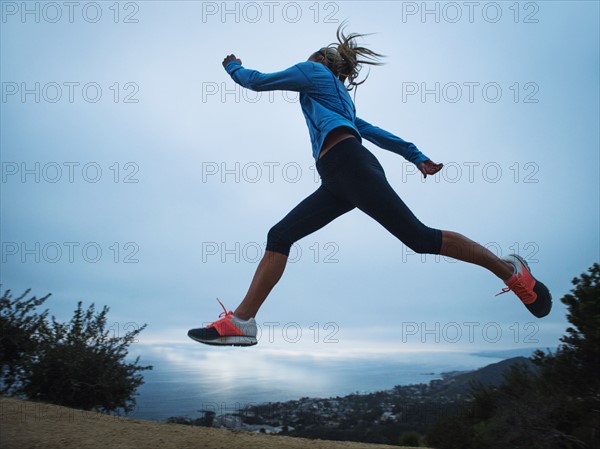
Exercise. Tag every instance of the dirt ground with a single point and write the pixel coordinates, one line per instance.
(31, 425)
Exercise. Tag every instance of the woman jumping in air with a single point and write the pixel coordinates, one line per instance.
(351, 177)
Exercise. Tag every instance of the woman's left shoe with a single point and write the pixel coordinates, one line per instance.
(226, 331)
(530, 291)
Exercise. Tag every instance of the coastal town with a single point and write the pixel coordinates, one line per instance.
(365, 417)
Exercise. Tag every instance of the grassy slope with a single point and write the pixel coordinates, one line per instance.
(31, 425)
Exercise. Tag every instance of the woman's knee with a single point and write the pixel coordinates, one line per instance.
(278, 241)
(426, 241)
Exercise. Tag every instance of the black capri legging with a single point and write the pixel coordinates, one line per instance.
(351, 176)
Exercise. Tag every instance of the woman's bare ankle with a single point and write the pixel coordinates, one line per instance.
(241, 315)
(508, 272)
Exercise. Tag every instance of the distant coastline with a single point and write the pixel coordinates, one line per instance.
(179, 390)
(402, 408)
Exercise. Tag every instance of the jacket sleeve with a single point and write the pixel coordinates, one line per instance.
(390, 142)
(292, 78)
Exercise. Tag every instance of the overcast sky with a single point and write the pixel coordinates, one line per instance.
(137, 174)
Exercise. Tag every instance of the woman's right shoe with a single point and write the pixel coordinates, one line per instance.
(226, 331)
(530, 291)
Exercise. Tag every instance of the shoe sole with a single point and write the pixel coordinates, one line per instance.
(537, 308)
(228, 341)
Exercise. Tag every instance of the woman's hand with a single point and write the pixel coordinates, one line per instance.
(429, 168)
(230, 58)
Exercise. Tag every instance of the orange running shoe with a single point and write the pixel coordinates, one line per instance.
(530, 291)
(226, 331)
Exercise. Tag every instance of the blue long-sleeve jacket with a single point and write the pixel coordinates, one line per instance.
(326, 104)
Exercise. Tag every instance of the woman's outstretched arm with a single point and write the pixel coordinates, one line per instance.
(292, 78)
(395, 144)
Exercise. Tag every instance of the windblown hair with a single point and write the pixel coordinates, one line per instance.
(344, 57)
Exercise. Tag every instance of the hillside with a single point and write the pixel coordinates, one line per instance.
(31, 425)
(492, 374)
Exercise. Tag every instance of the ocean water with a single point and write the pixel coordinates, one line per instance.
(185, 381)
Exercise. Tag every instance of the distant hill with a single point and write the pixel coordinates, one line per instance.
(488, 375)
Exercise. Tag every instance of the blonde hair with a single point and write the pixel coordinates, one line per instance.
(343, 57)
